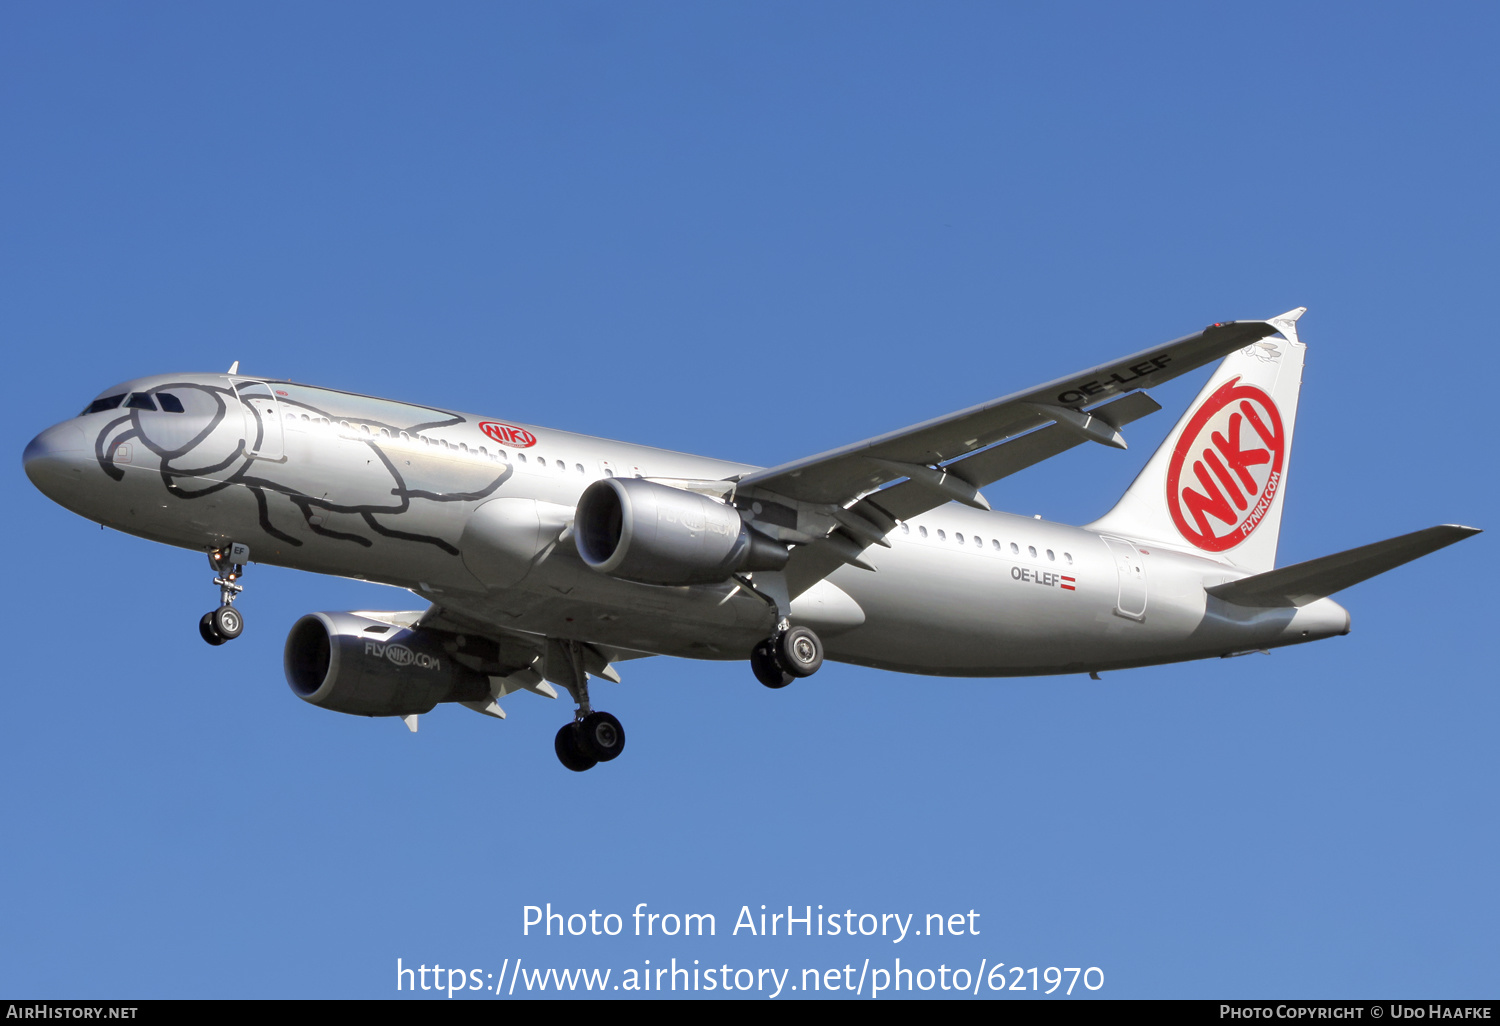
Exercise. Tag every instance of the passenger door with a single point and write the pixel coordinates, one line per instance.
(263, 429)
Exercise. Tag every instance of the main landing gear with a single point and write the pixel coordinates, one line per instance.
(225, 623)
(582, 744)
(790, 653)
(593, 737)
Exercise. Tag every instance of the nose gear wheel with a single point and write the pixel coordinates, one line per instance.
(206, 630)
(225, 623)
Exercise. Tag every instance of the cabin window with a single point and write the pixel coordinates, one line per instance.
(1069, 557)
(978, 542)
(995, 544)
(579, 468)
(922, 531)
(1051, 556)
(942, 535)
(906, 529)
(1031, 549)
(1015, 550)
(958, 537)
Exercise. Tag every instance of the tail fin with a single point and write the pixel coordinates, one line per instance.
(1217, 483)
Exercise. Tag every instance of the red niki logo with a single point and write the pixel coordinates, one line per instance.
(508, 434)
(1234, 449)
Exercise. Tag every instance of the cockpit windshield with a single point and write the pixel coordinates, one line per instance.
(108, 402)
(135, 401)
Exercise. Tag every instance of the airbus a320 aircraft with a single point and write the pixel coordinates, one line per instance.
(547, 558)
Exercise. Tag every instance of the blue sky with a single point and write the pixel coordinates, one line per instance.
(756, 231)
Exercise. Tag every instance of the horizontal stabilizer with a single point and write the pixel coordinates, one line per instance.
(1301, 583)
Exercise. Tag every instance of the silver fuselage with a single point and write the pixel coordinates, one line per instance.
(336, 483)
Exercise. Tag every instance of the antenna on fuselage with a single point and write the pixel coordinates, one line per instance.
(234, 368)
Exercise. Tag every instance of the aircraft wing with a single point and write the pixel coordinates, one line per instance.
(499, 651)
(950, 458)
(811, 563)
(842, 475)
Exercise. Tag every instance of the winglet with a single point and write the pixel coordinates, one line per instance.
(234, 368)
(1287, 323)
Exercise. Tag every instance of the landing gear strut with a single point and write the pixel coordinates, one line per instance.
(790, 653)
(225, 623)
(593, 736)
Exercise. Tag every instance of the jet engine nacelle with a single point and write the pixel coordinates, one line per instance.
(642, 531)
(353, 664)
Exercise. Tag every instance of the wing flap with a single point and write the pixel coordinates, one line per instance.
(1301, 583)
(518, 649)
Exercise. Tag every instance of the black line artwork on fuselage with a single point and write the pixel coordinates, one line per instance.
(226, 452)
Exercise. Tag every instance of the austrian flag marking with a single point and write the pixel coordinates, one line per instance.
(1227, 467)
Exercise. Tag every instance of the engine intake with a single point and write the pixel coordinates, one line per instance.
(652, 533)
(353, 664)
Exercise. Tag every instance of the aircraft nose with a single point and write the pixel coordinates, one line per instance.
(55, 458)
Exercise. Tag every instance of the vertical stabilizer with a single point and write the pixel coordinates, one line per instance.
(1217, 484)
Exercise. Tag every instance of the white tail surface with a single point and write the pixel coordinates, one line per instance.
(1217, 484)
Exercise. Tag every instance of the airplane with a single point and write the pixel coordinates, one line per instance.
(548, 558)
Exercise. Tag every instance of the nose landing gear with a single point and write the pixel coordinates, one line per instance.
(225, 623)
